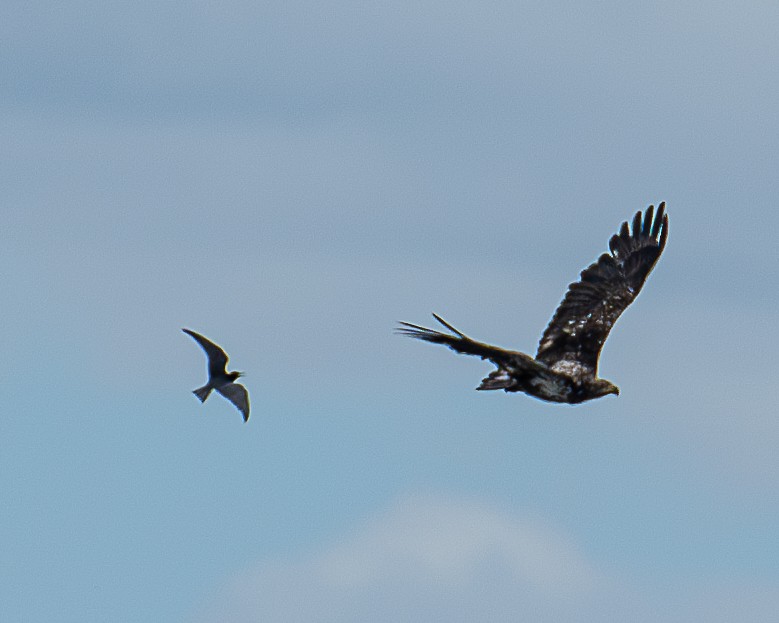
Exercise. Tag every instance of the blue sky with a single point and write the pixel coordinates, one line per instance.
(291, 179)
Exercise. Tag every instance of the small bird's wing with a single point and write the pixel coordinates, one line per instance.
(238, 395)
(592, 305)
(217, 358)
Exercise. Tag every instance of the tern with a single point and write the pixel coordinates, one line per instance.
(219, 378)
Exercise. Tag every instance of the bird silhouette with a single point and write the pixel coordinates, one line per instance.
(566, 364)
(219, 378)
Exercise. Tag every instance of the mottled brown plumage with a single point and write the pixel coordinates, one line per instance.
(566, 365)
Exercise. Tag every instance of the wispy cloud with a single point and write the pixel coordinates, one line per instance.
(434, 558)
(444, 541)
(447, 542)
(423, 559)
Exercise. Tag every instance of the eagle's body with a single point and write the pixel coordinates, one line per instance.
(566, 363)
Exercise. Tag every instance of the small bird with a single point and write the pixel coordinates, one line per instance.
(565, 368)
(219, 378)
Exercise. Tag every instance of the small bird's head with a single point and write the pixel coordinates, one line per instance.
(234, 375)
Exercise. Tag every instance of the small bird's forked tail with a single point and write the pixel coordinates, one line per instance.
(202, 392)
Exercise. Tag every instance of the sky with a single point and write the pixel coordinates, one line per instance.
(291, 179)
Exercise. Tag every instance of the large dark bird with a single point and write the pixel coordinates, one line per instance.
(219, 378)
(566, 365)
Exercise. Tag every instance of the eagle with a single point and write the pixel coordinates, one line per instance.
(565, 368)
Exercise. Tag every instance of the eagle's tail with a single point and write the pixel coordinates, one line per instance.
(498, 379)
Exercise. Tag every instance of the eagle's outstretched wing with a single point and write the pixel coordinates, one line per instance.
(459, 342)
(591, 306)
(217, 358)
(520, 363)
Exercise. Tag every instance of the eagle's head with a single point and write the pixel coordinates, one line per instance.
(602, 387)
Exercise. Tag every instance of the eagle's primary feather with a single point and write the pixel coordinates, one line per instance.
(566, 364)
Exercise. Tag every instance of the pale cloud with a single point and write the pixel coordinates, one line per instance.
(424, 558)
(446, 542)
(434, 558)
